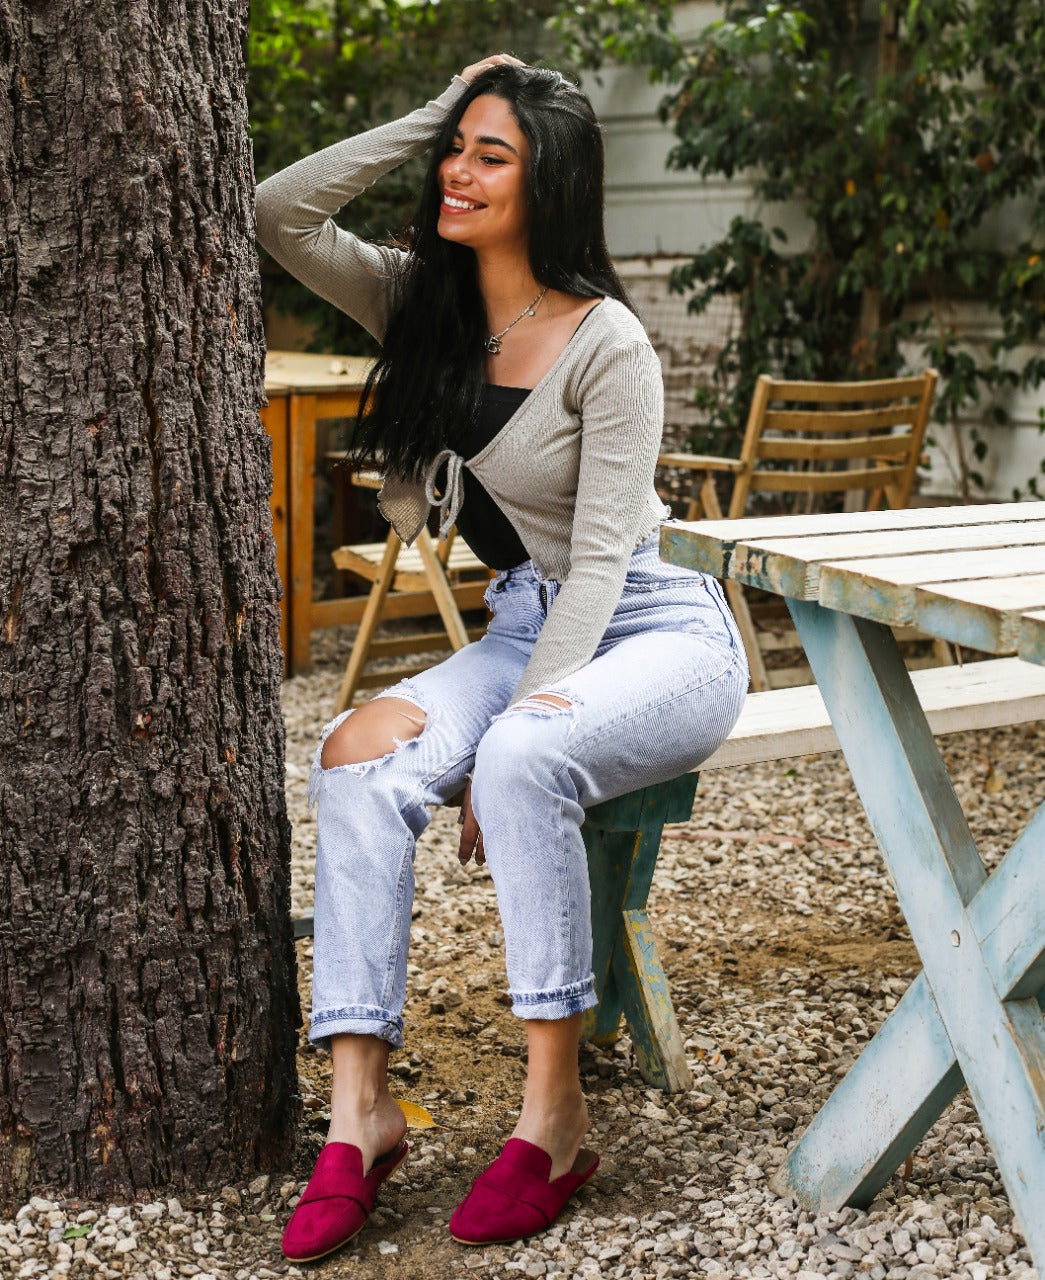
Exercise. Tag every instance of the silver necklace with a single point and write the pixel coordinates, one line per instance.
(493, 342)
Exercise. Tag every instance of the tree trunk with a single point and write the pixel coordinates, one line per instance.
(148, 1002)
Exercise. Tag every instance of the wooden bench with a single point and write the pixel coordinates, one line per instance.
(623, 836)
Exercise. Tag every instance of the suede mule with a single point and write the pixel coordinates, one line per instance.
(337, 1201)
(514, 1197)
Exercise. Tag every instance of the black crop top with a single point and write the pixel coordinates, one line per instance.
(480, 521)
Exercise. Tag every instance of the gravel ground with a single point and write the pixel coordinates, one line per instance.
(785, 950)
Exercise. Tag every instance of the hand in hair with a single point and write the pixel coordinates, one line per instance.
(495, 60)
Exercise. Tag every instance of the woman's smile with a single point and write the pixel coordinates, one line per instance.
(459, 204)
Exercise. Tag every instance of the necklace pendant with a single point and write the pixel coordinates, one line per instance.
(493, 345)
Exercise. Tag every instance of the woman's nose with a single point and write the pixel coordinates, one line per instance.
(455, 170)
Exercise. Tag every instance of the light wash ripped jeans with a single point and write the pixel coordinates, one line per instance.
(662, 692)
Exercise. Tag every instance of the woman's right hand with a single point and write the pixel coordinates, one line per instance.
(495, 60)
(471, 836)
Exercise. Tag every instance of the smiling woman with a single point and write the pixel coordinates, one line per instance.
(516, 390)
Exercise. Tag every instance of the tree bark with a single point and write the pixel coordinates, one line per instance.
(148, 1002)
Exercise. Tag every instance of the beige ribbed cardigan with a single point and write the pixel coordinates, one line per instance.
(572, 469)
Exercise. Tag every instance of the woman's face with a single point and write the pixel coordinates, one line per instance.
(483, 180)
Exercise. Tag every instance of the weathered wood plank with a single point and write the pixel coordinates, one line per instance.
(1008, 916)
(792, 481)
(622, 838)
(305, 371)
(712, 540)
(982, 614)
(610, 857)
(887, 543)
(878, 1113)
(884, 589)
(780, 723)
(655, 1035)
(775, 553)
(1032, 636)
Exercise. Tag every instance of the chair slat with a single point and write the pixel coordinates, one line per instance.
(825, 481)
(840, 420)
(893, 446)
(836, 392)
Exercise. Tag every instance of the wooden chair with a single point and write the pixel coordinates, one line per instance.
(812, 446)
(408, 582)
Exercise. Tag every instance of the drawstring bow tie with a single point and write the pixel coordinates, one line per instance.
(453, 493)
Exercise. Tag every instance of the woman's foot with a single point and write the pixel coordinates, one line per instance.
(375, 1127)
(364, 1147)
(362, 1111)
(516, 1196)
(339, 1198)
(557, 1126)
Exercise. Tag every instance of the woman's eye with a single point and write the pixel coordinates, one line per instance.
(493, 160)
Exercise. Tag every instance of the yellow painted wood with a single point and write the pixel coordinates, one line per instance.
(439, 587)
(836, 392)
(407, 604)
(368, 625)
(851, 446)
(824, 481)
(841, 420)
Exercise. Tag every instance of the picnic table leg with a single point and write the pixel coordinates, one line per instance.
(622, 838)
(981, 942)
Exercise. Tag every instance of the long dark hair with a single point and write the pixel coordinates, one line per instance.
(428, 380)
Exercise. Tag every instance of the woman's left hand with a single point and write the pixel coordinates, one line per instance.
(471, 836)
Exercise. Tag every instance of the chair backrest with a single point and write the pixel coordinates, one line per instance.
(820, 438)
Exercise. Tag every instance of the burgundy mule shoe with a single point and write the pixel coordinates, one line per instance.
(514, 1197)
(337, 1201)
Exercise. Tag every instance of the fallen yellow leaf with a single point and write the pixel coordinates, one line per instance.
(416, 1117)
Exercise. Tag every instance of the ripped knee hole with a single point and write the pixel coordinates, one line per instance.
(372, 732)
(542, 701)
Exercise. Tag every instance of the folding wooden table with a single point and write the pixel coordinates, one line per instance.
(304, 389)
(974, 576)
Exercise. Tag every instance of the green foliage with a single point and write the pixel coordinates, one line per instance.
(323, 70)
(908, 143)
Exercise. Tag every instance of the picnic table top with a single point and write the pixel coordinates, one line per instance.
(305, 372)
(974, 575)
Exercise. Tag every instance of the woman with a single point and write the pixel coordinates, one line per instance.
(518, 391)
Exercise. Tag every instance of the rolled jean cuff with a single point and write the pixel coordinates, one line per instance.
(356, 1020)
(560, 1002)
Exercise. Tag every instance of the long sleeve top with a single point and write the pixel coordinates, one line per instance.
(572, 469)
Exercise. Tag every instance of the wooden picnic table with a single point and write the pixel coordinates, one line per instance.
(974, 576)
(303, 389)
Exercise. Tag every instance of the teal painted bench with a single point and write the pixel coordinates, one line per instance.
(623, 838)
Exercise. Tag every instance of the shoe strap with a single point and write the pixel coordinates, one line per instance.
(518, 1184)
